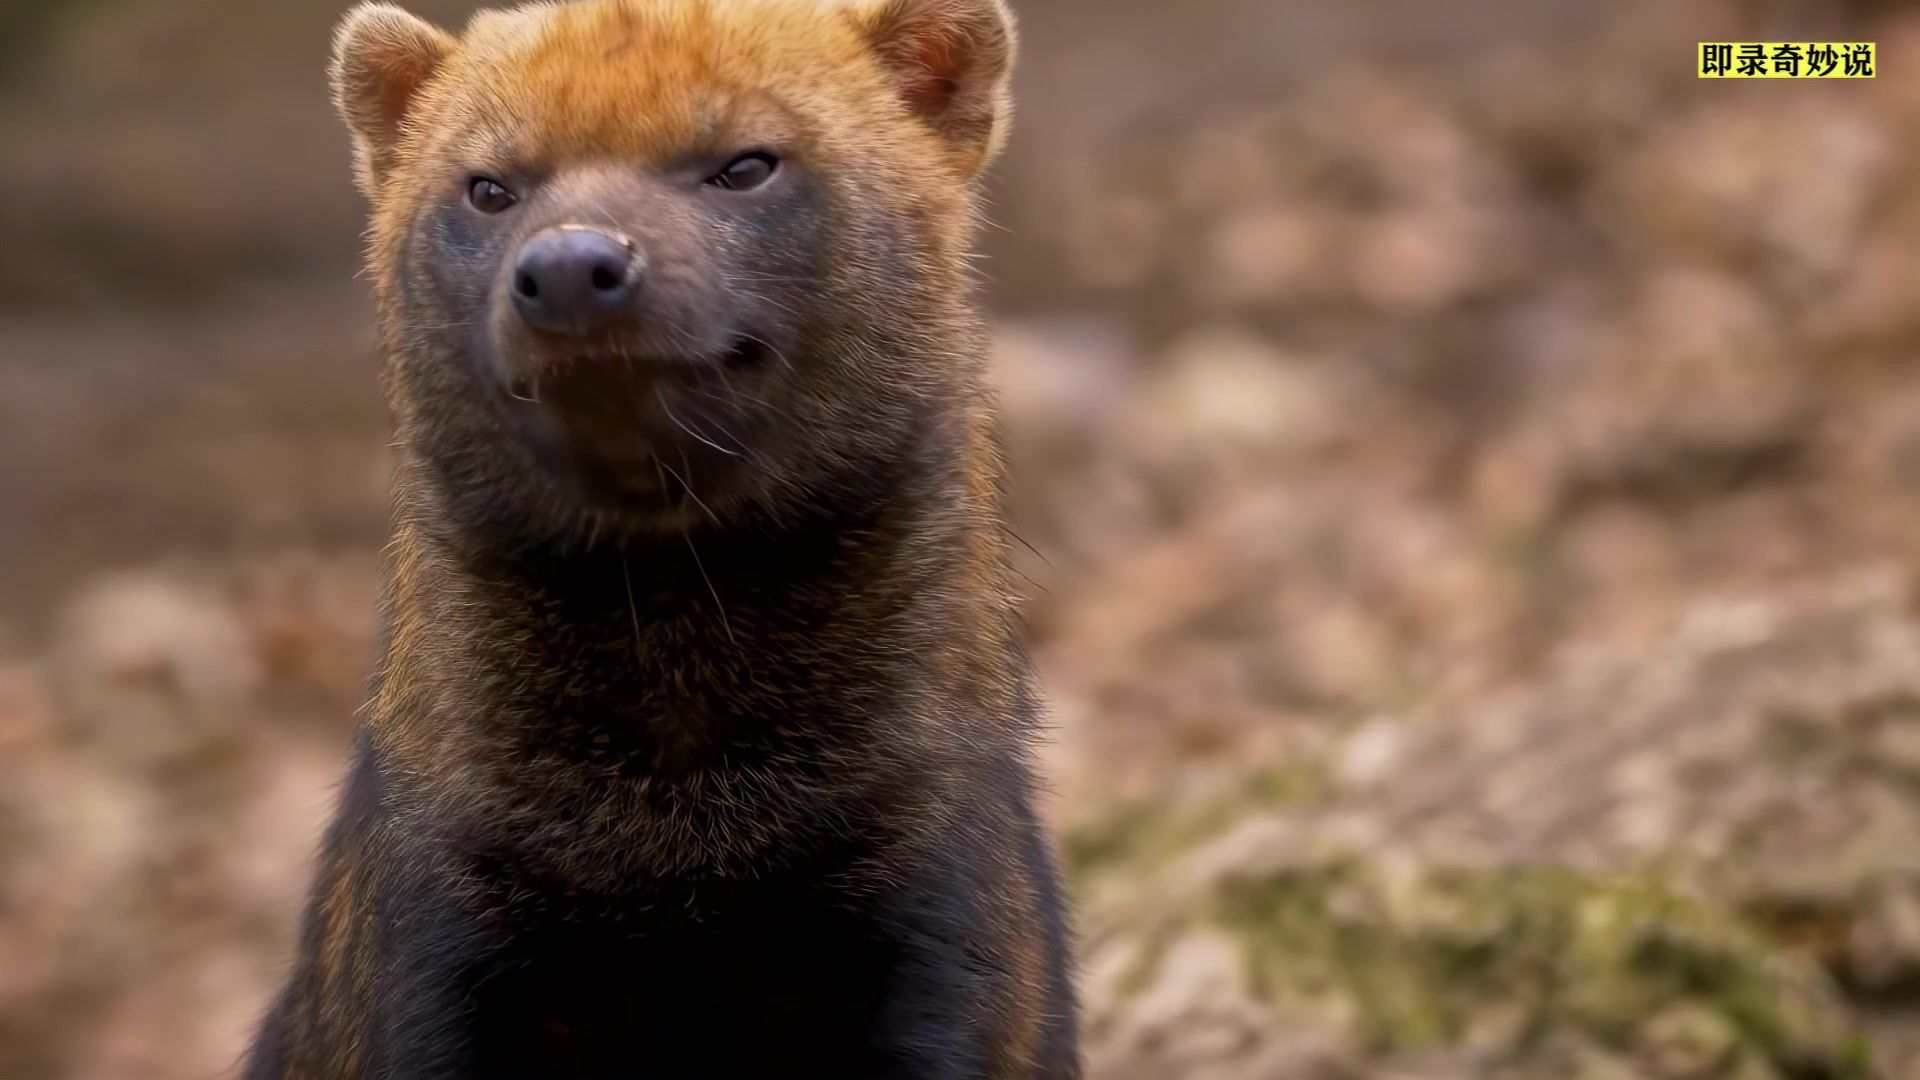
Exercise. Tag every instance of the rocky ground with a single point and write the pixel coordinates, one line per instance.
(1476, 573)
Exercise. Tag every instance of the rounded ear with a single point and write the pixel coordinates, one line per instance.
(952, 61)
(382, 56)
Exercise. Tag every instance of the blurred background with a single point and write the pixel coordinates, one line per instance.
(1474, 468)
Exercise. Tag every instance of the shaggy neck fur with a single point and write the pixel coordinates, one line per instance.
(704, 704)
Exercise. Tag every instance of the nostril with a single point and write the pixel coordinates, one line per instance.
(573, 280)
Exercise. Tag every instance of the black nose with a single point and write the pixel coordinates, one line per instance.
(574, 280)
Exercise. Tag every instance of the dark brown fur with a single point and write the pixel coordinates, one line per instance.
(699, 745)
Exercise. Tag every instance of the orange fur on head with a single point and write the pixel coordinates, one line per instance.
(949, 62)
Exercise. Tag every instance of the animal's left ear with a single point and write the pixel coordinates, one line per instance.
(952, 61)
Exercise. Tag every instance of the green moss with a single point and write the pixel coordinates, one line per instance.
(1141, 834)
(1293, 783)
(1134, 835)
(1511, 962)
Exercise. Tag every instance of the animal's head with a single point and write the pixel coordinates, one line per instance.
(645, 261)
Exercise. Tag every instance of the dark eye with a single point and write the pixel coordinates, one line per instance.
(746, 172)
(489, 196)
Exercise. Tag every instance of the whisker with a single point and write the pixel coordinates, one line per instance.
(718, 604)
(730, 395)
(783, 279)
(770, 347)
(633, 609)
(711, 591)
(770, 302)
(689, 489)
(677, 422)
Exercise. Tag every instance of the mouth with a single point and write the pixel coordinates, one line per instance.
(747, 352)
(636, 432)
(608, 363)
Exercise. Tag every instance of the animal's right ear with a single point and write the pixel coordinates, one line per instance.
(382, 56)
